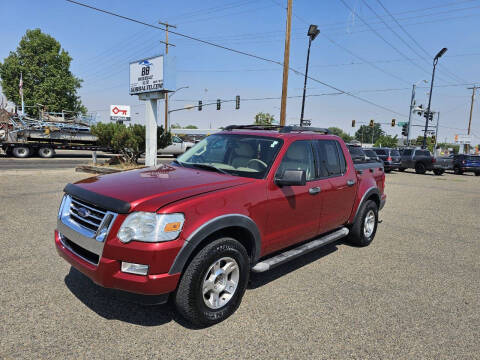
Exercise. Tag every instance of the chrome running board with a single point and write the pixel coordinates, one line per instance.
(291, 254)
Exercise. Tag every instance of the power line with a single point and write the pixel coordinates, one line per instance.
(238, 52)
(414, 40)
(380, 35)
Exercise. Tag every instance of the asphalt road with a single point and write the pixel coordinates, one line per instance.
(413, 293)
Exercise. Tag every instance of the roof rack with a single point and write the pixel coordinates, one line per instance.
(279, 128)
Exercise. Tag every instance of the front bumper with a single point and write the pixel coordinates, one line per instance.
(108, 274)
(474, 169)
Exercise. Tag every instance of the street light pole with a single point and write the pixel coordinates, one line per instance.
(435, 61)
(312, 34)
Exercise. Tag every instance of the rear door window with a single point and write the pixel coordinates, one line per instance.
(331, 159)
(407, 152)
(422, 153)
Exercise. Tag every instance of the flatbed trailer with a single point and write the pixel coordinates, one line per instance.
(44, 149)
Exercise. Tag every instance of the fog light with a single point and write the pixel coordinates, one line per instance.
(137, 269)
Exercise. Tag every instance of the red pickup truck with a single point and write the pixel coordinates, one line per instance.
(246, 199)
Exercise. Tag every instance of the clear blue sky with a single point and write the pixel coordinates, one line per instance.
(102, 46)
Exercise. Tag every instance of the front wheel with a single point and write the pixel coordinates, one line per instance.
(213, 284)
(438, 172)
(457, 170)
(365, 226)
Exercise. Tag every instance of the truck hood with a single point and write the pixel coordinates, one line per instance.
(149, 189)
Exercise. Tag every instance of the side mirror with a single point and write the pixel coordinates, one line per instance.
(292, 178)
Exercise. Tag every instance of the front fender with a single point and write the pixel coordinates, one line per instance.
(218, 223)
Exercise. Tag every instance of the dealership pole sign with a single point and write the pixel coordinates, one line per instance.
(120, 113)
(152, 76)
(150, 79)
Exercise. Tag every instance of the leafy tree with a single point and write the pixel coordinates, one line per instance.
(191, 127)
(46, 73)
(178, 126)
(263, 119)
(339, 132)
(364, 134)
(455, 147)
(430, 142)
(175, 126)
(387, 141)
(129, 141)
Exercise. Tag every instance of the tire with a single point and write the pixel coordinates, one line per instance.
(46, 152)
(359, 236)
(388, 171)
(438, 172)
(477, 174)
(420, 168)
(401, 169)
(457, 171)
(204, 308)
(21, 151)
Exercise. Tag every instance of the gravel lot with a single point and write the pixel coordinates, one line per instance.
(414, 293)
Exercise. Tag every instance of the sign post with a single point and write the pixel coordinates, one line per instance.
(151, 79)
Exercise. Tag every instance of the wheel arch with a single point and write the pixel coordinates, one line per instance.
(371, 194)
(238, 226)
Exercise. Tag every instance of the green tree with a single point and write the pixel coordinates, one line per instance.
(191, 127)
(430, 142)
(175, 126)
(46, 73)
(387, 141)
(263, 119)
(339, 132)
(364, 134)
(128, 141)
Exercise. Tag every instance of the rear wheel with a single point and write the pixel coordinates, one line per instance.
(46, 152)
(457, 170)
(438, 171)
(21, 151)
(365, 226)
(420, 168)
(213, 284)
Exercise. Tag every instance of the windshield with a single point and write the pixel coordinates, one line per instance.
(234, 154)
(370, 153)
(394, 153)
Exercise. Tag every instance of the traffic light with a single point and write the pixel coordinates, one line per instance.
(393, 122)
(353, 123)
(430, 116)
(405, 129)
(200, 105)
(237, 102)
(371, 123)
(218, 104)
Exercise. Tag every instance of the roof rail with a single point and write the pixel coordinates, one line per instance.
(279, 128)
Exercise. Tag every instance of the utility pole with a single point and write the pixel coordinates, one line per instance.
(286, 61)
(167, 44)
(436, 134)
(474, 88)
(412, 105)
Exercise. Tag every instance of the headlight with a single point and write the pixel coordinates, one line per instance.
(150, 227)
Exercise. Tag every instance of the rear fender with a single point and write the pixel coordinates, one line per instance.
(371, 193)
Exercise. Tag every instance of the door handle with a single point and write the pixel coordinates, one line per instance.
(314, 190)
(350, 182)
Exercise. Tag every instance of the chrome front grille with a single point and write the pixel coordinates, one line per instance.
(86, 215)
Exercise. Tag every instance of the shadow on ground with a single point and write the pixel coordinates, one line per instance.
(108, 304)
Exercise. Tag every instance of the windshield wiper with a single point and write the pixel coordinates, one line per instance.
(209, 167)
